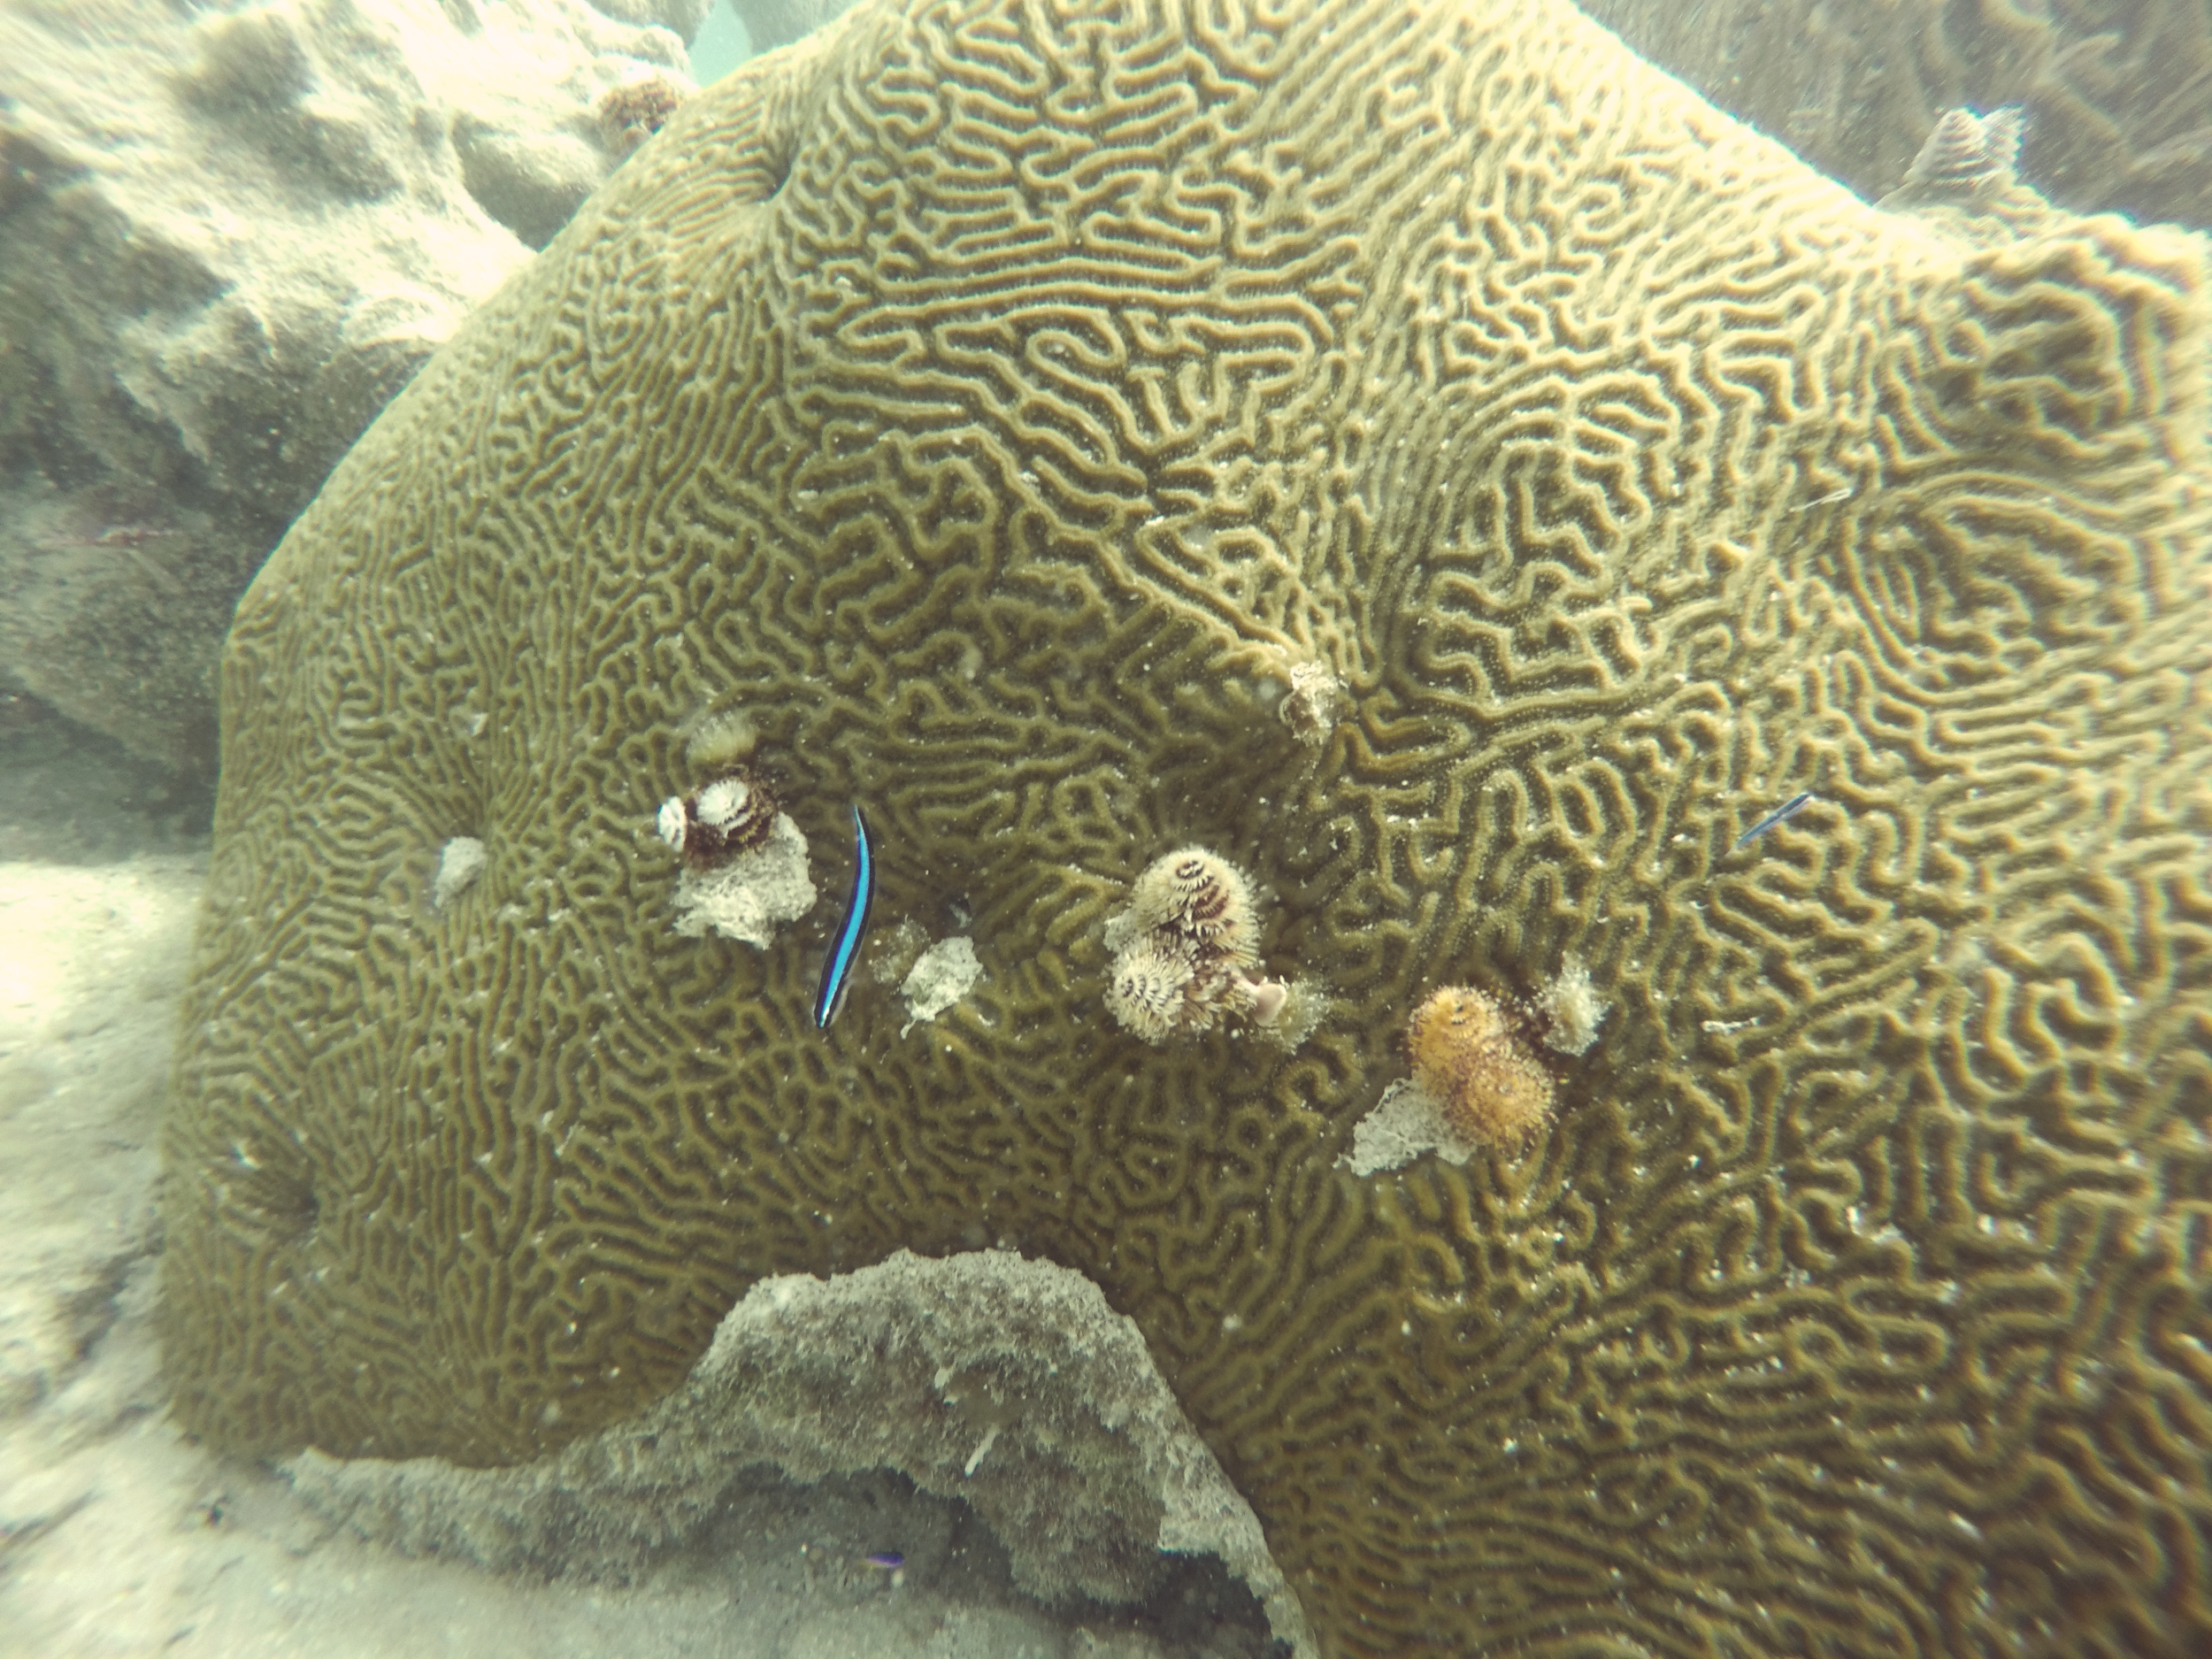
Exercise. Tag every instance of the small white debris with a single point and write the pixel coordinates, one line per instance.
(747, 897)
(1829, 500)
(459, 863)
(990, 1439)
(1316, 703)
(940, 977)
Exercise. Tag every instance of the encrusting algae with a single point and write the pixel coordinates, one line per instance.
(1468, 1057)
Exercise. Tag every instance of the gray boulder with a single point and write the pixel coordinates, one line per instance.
(228, 235)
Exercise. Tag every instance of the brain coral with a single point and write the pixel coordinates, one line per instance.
(989, 408)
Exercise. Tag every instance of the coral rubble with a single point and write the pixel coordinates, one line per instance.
(1007, 1383)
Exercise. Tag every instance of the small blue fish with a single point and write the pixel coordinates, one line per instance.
(1788, 808)
(889, 1560)
(837, 972)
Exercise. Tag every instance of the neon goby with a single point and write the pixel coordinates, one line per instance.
(844, 952)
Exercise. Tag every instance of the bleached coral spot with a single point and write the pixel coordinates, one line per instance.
(1407, 1121)
(460, 861)
(1571, 1009)
(940, 976)
(747, 897)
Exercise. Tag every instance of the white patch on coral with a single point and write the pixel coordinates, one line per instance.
(1572, 1007)
(460, 862)
(940, 977)
(747, 897)
(1316, 700)
(1405, 1123)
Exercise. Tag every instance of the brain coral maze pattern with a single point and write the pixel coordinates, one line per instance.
(982, 412)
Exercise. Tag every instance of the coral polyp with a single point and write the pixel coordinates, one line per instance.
(1469, 1057)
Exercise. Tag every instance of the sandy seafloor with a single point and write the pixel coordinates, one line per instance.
(118, 1535)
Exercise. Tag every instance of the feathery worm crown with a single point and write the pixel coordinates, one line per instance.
(1482, 1074)
(1181, 948)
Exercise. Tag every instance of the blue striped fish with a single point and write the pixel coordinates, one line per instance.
(1788, 808)
(844, 952)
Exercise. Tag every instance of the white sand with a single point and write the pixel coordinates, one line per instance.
(117, 1536)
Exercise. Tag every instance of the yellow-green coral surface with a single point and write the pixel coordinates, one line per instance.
(990, 406)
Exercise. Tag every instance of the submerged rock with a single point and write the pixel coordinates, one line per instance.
(232, 234)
